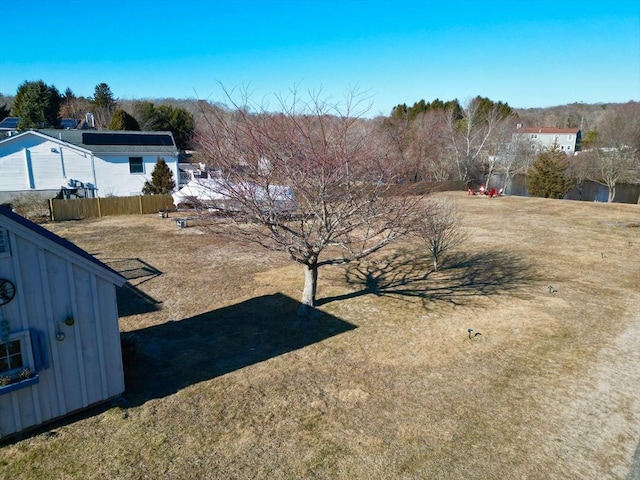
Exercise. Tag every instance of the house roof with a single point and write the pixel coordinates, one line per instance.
(548, 130)
(114, 142)
(9, 123)
(42, 232)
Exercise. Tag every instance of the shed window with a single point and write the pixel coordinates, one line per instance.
(11, 357)
(22, 355)
(136, 165)
(4, 243)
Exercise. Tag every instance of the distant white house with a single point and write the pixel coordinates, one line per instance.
(60, 348)
(543, 138)
(93, 163)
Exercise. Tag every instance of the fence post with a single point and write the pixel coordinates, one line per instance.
(140, 203)
(99, 210)
(53, 217)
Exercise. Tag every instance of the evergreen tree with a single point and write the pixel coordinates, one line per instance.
(146, 115)
(103, 98)
(4, 112)
(37, 104)
(121, 120)
(161, 180)
(178, 121)
(548, 176)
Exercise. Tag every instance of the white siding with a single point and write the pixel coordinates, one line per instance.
(84, 368)
(46, 166)
(32, 162)
(113, 177)
(13, 171)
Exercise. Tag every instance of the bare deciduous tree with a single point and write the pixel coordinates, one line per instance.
(439, 227)
(471, 134)
(305, 181)
(615, 157)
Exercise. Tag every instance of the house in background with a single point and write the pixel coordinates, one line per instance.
(9, 126)
(543, 138)
(60, 348)
(91, 163)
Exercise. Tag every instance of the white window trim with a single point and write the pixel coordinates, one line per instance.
(24, 336)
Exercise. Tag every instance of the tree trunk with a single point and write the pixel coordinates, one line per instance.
(612, 194)
(310, 287)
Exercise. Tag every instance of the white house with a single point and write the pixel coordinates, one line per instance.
(60, 346)
(85, 162)
(543, 138)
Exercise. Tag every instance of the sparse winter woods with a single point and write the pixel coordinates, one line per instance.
(615, 154)
(471, 132)
(307, 181)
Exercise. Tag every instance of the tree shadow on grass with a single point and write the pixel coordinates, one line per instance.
(459, 278)
(174, 355)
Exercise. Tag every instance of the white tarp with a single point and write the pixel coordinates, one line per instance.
(218, 194)
(202, 189)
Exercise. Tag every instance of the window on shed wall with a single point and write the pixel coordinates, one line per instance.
(11, 357)
(136, 165)
(15, 354)
(4, 243)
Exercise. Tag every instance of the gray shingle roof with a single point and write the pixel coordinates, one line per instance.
(112, 139)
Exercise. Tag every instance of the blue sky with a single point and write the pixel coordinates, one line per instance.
(529, 54)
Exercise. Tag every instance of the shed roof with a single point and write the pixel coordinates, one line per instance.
(42, 232)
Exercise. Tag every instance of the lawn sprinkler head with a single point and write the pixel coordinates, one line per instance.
(470, 330)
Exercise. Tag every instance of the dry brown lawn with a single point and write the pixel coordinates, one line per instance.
(227, 383)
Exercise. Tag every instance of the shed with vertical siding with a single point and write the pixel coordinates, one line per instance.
(60, 346)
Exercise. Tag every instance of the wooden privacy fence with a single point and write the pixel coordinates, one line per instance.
(78, 209)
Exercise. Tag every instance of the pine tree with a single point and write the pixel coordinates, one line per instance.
(121, 120)
(37, 104)
(161, 180)
(548, 177)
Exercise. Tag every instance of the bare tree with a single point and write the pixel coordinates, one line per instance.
(305, 181)
(470, 135)
(74, 107)
(498, 158)
(439, 227)
(616, 154)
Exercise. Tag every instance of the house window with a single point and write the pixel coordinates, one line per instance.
(136, 165)
(568, 147)
(569, 137)
(4, 243)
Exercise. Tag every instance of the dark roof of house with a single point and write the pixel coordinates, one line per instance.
(37, 229)
(547, 130)
(9, 123)
(69, 123)
(120, 141)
